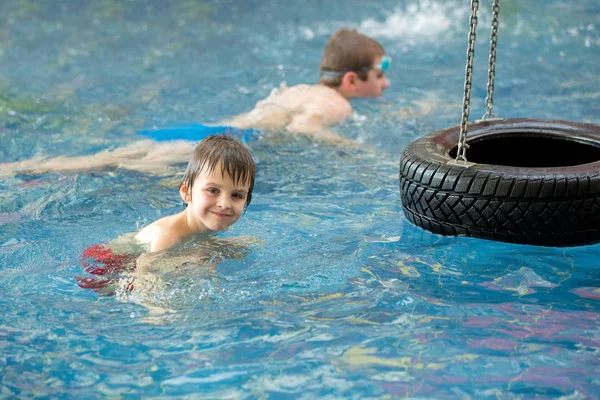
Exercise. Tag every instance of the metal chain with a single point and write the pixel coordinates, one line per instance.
(462, 146)
(489, 100)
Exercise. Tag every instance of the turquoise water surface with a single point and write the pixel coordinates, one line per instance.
(339, 296)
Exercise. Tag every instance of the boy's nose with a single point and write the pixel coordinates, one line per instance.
(223, 201)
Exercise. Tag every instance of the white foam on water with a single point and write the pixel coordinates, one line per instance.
(424, 19)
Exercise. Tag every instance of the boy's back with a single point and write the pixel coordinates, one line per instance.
(298, 109)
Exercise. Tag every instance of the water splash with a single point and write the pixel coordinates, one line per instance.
(423, 20)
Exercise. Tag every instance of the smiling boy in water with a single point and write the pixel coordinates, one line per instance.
(352, 66)
(216, 189)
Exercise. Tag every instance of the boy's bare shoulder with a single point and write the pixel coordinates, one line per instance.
(299, 109)
(314, 93)
(161, 227)
(319, 100)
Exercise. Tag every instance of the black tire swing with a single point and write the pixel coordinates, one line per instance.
(527, 181)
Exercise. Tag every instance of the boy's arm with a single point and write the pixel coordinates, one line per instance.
(315, 125)
(162, 241)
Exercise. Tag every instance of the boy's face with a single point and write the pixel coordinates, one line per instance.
(216, 201)
(376, 81)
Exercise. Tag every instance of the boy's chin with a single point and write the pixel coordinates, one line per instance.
(218, 227)
(372, 95)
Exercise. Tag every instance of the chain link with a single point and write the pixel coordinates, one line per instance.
(462, 145)
(489, 100)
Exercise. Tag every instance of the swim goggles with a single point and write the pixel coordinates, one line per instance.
(383, 66)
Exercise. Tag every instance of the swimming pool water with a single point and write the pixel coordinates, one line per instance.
(341, 297)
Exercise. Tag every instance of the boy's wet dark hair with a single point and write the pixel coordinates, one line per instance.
(234, 156)
(347, 50)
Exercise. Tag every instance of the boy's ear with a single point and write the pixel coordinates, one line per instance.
(185, 194)
(349, 79)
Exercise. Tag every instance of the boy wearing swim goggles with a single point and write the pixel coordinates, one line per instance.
(353, 65)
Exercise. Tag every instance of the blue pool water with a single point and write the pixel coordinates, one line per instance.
(341, 297)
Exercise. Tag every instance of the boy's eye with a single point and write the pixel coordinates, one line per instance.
(213, 190)
(239, 196)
